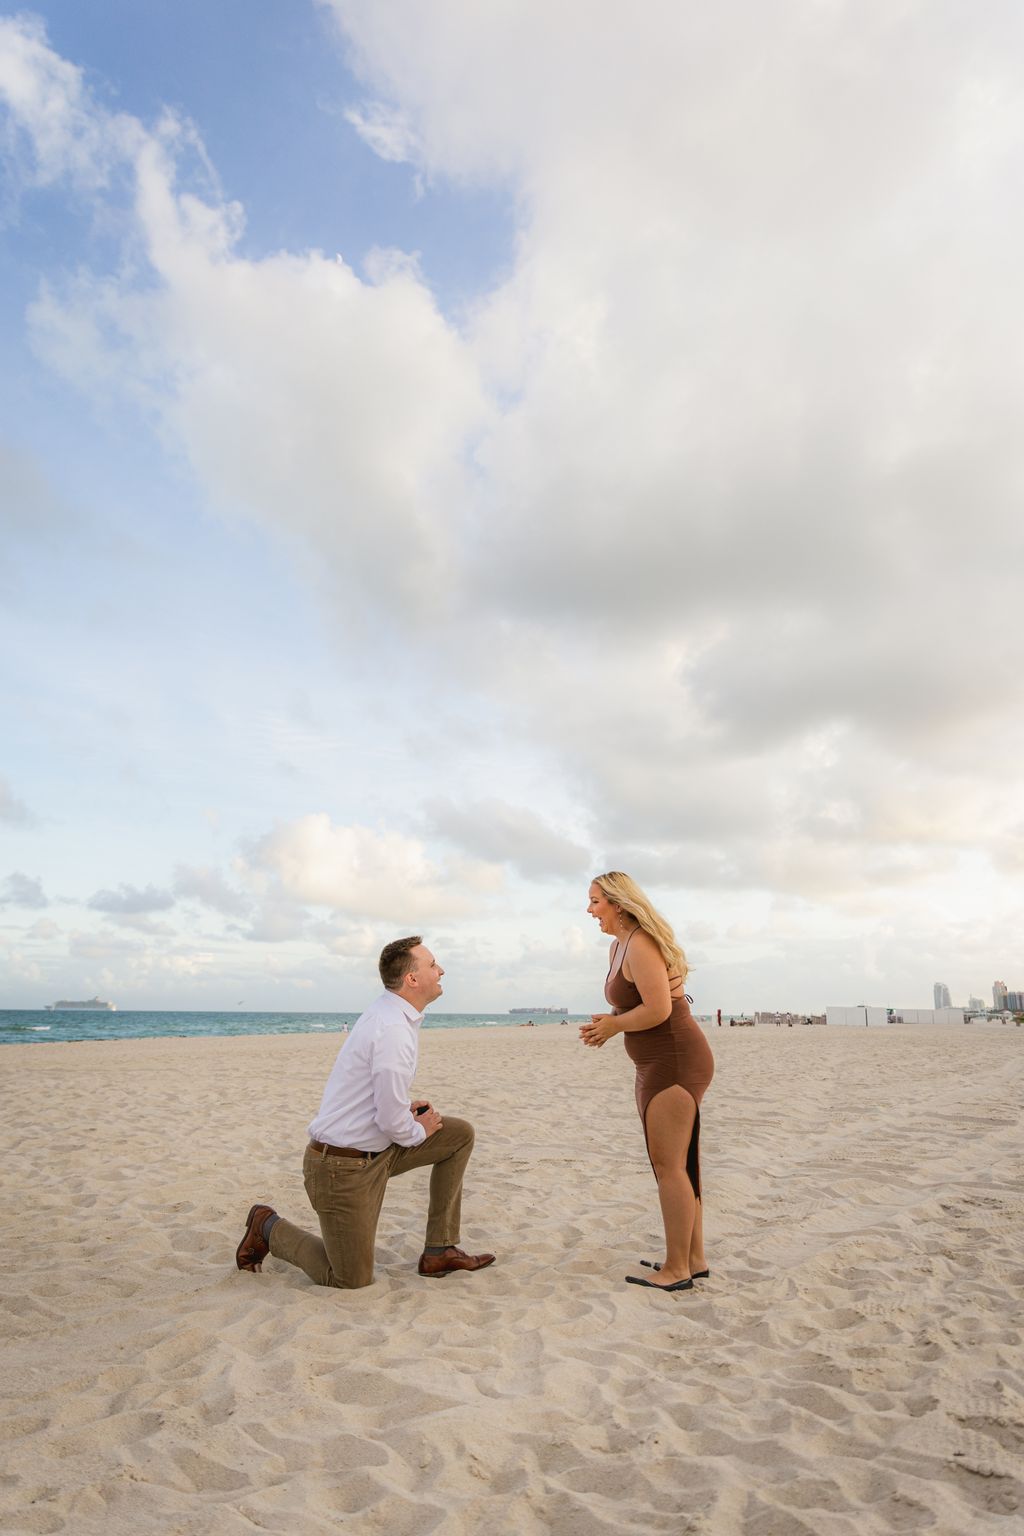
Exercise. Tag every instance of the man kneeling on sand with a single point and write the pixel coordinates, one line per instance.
(364, 1133)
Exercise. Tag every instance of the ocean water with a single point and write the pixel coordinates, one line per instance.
(30, 1026)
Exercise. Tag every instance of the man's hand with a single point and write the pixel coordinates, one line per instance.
(418, 1104)
(430, 1120)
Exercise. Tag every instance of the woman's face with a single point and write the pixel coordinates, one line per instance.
(605, 911)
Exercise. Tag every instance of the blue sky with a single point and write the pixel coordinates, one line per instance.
(444, 453)
(268, 87)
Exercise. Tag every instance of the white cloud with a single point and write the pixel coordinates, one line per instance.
(278, 921)
(55, 129)
(759, 452)
(515, 835)
(139, 922)
(761, 408)
(715, 496)
(86, 944)
(130, 901)
(207, 885)
(350, 940)
(12, 810)
(20, 968)
(386, 130)
(356, 870)
(20, 890)
(31, 513)
(290, 382)
(44, 930)
(576, 944)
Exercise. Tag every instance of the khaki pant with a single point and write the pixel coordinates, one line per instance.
(348, 1192)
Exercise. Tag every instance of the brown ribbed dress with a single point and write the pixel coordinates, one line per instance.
(674, 1052)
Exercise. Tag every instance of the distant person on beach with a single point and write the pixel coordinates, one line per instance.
(674, 1064)
(367, 1131)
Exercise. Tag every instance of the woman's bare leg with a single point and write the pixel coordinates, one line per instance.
(670, 1120)
(697, 1259)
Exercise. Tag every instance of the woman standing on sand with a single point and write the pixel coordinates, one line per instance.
(673, 1062)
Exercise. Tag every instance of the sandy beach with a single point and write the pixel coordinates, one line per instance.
(853, 1367)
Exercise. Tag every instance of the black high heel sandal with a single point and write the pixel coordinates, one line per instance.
(698, 1274)
(652, 1285)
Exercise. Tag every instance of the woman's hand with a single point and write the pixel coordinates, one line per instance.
(602, 1027)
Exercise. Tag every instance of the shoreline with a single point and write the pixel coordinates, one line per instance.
(709, 1027)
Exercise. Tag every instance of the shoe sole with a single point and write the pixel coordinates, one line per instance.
(698, 1274)
(652, 1285)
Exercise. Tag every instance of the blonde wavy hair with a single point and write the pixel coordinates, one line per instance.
(625, 893)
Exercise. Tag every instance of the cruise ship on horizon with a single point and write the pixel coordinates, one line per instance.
(90, 1005)
(517, 1012)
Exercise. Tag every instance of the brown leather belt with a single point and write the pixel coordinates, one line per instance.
(323, 1146)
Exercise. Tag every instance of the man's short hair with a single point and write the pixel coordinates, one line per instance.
(396, 961)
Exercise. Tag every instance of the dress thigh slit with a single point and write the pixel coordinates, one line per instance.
(692, 1159)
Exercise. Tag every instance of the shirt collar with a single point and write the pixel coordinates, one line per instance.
(407, 1008)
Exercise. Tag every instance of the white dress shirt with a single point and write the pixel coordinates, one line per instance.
(366, 1100)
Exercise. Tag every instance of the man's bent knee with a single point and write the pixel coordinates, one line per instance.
(459, 1131)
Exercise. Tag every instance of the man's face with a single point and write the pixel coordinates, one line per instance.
(425, 980)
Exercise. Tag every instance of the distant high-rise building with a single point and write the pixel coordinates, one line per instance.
(940, 992)
(1015, 1002)
(975, 1005)
(999, 994)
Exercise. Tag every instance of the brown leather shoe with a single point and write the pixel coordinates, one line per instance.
(253, 1248)
(435, 1265)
